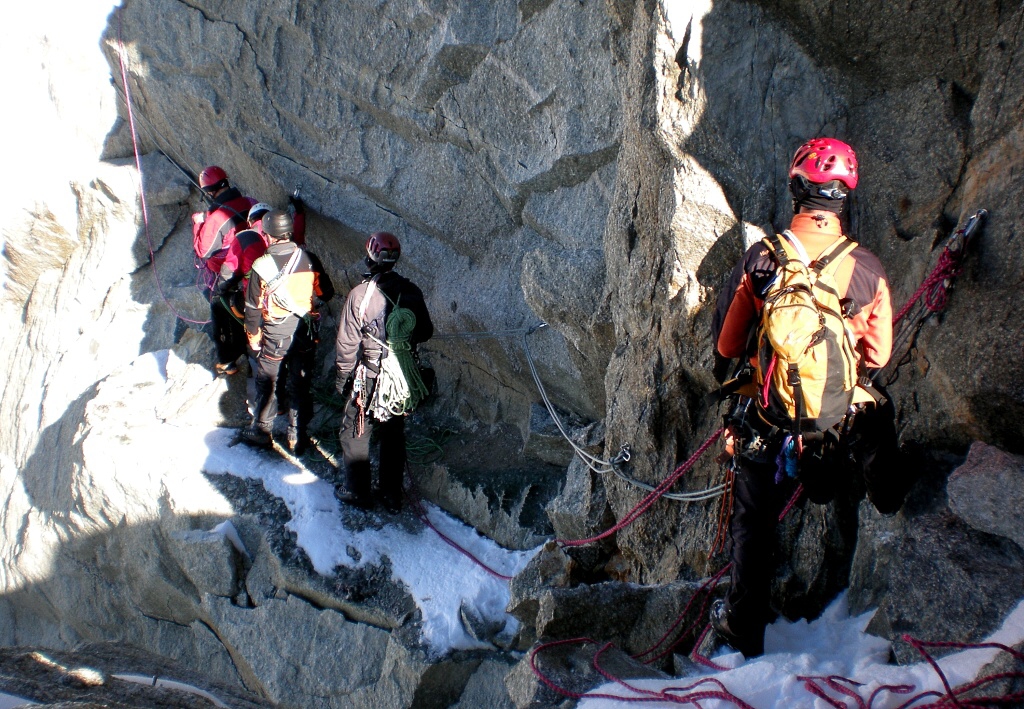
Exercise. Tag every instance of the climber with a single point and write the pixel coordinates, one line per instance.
(283, 287)
(214, 229)
(822, 174)
(360, 351)
(228, 304)
(297, 210)
(212, 234)
(296, 395)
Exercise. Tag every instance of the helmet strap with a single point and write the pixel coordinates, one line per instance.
(829, 197)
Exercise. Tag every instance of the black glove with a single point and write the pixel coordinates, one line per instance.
(296, 204)
(343, 385)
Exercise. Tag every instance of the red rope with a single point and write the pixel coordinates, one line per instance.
(421, 512)
(705, 590)
(651, 498)
(949, 266)
(792, 501)
(663, 694)
(142, 190)
(667, 694)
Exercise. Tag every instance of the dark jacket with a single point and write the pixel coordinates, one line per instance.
(356, 335)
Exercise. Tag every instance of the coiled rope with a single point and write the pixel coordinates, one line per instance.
(399, 387)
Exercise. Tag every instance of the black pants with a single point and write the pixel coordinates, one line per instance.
(298, 381)
(269, 363)
(228, 333)
(355, 451)
(757, 502)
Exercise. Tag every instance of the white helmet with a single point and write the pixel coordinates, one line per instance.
(256, 210)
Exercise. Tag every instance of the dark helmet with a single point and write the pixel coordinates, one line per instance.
(277, 224)
(213, 178)
(383, 249)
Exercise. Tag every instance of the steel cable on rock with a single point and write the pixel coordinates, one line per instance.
(597, 465)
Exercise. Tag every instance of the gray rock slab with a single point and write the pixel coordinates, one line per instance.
(209, 560)
(934, 577)
(301, 654)
(486, 687)
(987, 492)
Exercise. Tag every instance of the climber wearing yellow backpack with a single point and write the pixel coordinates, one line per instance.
(808, 312)
(383, 320)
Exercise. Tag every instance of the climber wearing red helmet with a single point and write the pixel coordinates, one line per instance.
(364, 339)
(213, 231)
(822, 174)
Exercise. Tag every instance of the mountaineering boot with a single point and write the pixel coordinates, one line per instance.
(392, 503)
(720, 624)
(298, 443)
(225, 369)
(343, 494)
(256, 436)
(354, 489)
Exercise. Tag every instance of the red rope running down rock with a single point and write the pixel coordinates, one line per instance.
(704, 591)
(651, 498)
(668, 694)
(951, 698)
(142, 190)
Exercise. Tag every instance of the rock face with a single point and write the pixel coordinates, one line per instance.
(598, 166)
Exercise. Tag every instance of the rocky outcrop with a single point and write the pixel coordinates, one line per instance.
(596, 165)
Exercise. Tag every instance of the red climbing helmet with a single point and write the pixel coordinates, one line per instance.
(210, 178)
(824, 159)
(383, 248)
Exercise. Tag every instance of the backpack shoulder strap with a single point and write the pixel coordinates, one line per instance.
(275, 282)
(829, 261)
(371, 286)
(777, 246)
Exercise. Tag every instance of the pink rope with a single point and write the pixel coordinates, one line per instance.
(792, 501)
(421, 512)
(649, 500)
(142, 190)
(949, 266)
(705, 592)
(668, 694)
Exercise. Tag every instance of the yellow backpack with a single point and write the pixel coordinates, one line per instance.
(806, 361)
